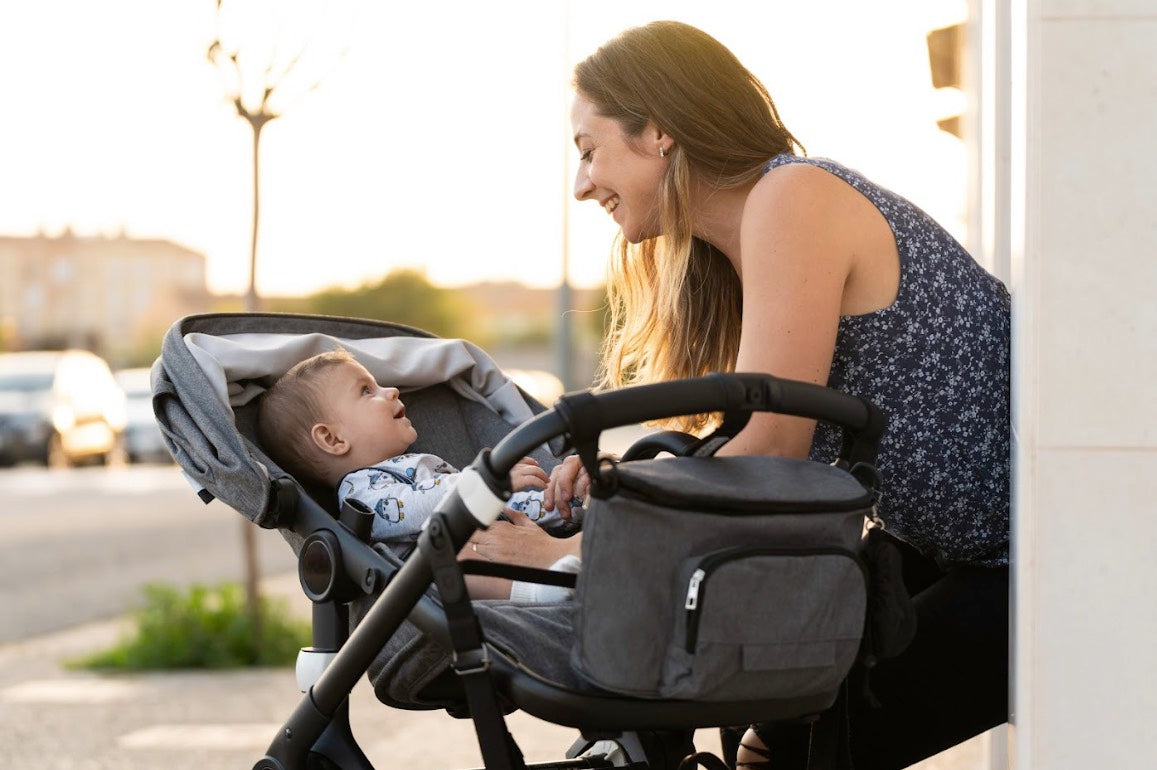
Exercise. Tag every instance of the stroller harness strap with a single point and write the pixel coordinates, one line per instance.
(471, 662)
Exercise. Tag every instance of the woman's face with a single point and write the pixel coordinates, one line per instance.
(622, 173)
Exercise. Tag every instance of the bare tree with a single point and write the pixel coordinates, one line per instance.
(262, 78)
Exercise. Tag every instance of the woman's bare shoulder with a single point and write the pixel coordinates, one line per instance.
(803, 214)
(797, 200)
(801, 182)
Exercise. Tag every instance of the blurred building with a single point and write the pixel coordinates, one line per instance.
(114, 295)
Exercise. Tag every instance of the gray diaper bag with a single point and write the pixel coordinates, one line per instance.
(723, 579)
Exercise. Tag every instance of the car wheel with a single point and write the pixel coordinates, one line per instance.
(57, 457)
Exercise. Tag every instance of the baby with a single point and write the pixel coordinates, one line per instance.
(327, 420)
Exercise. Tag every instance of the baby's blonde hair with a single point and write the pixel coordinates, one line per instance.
(288, 411)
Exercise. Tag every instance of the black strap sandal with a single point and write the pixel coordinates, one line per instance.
(703, 759)
(760, 764)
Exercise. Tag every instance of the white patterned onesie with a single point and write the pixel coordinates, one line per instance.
(403, 492)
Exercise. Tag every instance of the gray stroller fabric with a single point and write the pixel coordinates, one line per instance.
(240, 365)
(538, 636)
(206, 376)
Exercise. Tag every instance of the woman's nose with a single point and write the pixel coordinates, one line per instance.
(583, 187)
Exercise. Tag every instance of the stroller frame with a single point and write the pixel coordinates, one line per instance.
(337, 565)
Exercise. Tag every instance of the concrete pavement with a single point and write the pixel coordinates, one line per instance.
(54, 718)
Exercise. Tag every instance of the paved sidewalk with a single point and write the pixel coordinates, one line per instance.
(53, 718)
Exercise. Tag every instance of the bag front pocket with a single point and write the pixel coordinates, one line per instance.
(763, 620)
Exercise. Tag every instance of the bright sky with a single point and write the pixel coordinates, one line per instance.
(440, 140)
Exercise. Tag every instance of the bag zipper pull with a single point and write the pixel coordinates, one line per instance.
(693, 589)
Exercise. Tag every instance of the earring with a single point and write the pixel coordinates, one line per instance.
(662, 152)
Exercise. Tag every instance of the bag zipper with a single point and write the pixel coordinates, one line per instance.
(693, 603)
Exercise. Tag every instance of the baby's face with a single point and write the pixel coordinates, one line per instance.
(371, 418)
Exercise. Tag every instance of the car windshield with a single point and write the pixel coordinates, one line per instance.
(26, 382)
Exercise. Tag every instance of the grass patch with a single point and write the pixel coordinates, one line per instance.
(203, 627)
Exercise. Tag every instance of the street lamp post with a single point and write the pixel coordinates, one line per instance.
(565, 342)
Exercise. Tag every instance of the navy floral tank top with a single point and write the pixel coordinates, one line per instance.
(936, 361)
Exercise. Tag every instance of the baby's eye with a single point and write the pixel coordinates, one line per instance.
(367, 390)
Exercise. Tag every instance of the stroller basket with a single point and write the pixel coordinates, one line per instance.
(211, 368)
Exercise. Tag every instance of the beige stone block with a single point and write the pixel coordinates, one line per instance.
(1096, 231)
(1096, 9)
(1091, 619)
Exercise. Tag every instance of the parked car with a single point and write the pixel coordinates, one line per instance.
(59, 408)
(143, 442)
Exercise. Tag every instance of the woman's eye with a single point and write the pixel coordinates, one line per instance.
(585, 155)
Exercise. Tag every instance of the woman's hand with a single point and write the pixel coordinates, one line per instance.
(520, 541)
(526, 474)
(568, 480)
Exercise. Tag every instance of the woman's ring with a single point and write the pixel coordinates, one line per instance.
(475, 547)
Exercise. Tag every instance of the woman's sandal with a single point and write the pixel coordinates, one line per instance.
(761, 764)
(703, 759)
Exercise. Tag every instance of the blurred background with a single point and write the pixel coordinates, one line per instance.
(410, 162)
(415, 160)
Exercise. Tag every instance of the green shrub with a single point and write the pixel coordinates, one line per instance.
(205, 627)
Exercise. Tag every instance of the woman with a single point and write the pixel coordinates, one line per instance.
(737, 254)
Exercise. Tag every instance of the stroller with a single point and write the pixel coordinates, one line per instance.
(409, 625)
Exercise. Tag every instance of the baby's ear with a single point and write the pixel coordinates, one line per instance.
(328, 440)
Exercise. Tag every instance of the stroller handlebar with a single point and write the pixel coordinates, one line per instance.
(586, 415)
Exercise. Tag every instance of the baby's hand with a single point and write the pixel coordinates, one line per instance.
(526, 474)
(568, 481)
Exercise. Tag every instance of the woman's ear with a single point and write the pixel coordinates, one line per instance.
(328, 440)
(663, 141)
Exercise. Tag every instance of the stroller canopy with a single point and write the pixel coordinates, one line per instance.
(212, 367)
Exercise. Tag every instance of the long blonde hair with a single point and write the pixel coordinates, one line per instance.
(675, 301)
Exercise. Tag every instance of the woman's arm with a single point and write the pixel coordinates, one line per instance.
(799, 240)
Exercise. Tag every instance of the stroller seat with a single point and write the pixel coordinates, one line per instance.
(378, 616)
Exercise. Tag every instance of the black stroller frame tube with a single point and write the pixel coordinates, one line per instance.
(364, 644)
(315, 710)
(289, 751)
(861, 421)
